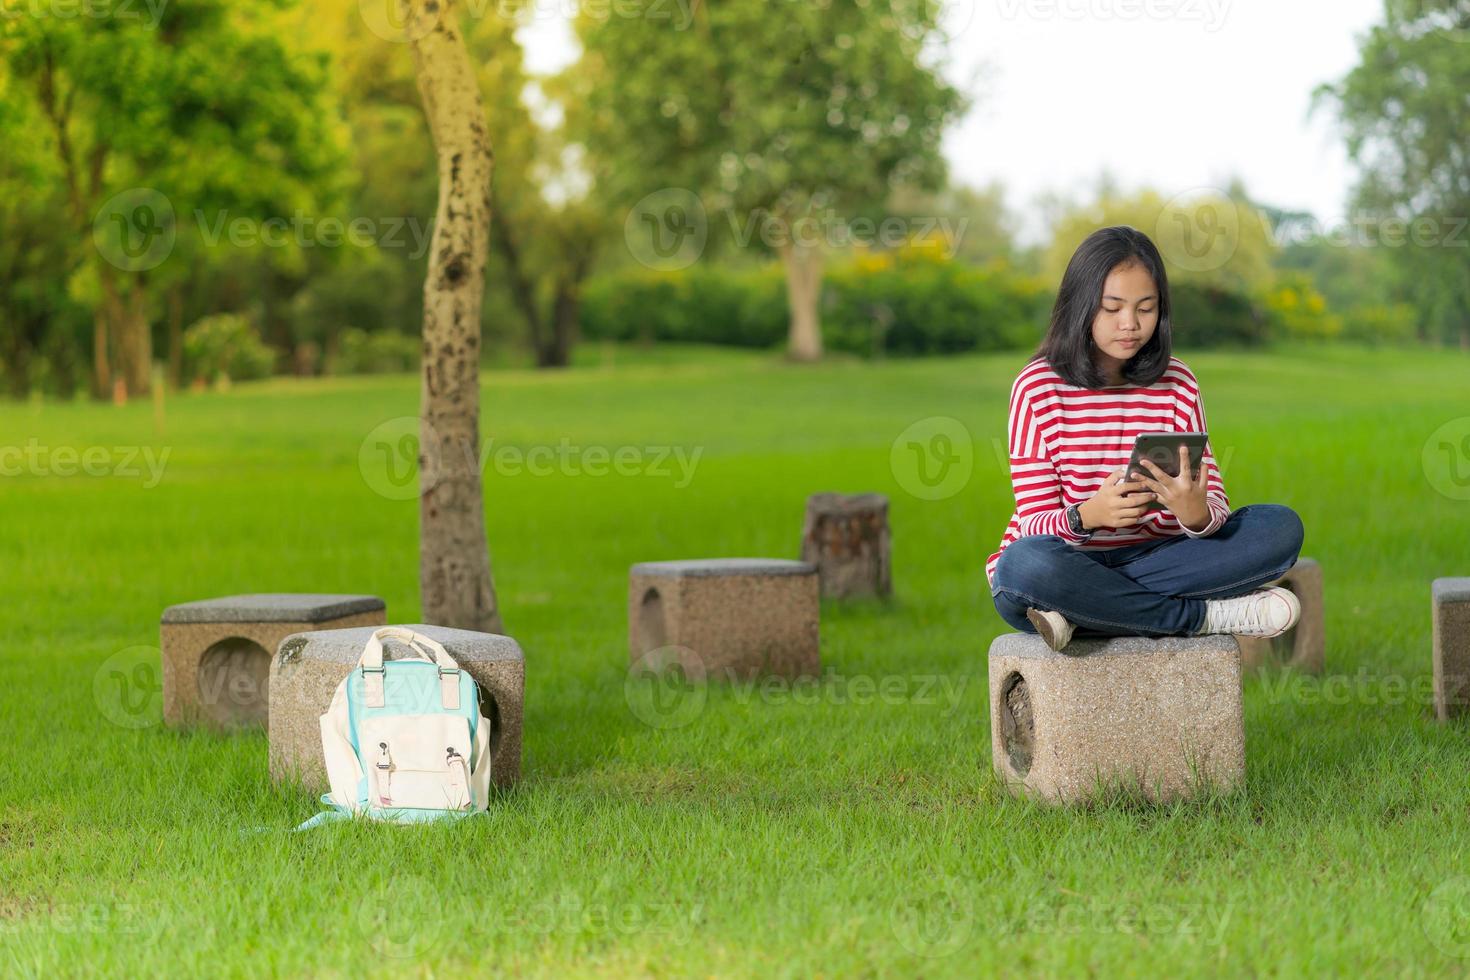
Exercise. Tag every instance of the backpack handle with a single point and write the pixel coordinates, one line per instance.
(371, 663)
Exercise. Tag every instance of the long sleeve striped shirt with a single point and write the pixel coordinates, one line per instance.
(1065, 441)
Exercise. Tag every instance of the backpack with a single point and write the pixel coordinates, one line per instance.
(404, 739)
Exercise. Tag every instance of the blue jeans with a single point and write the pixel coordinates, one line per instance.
(1156, 588)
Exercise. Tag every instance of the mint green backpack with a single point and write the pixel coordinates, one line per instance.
(404, 739)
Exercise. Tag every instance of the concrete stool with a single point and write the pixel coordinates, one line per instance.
(741, 617)
(308, 667)
(847, 538)
(1450, 605)
(217, 652)
(1303, 646)
(1162, 715)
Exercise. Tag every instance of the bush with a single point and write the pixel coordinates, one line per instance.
(908, 302)
(228, 346)
(382, 352)
(1212, 316)
(1377, 324)
(1296, 310)
(741, 308)
(914, 302)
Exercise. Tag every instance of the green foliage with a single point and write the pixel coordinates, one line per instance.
(383, 352)
(909, 302)
(1296, 310)
(912, 302)
(701, 304)
(226, 345)
(1403, 109)
(1210, 316)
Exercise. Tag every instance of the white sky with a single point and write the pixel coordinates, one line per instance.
(1175, 94)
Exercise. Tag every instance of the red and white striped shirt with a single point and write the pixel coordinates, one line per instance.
(1065, 440)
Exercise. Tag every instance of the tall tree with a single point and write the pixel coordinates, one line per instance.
(1407, 123)
(787, 118)
(454, 560)
(151, 128)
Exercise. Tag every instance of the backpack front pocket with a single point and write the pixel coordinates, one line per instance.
(417, 761)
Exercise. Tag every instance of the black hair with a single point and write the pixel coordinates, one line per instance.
(1068, 345)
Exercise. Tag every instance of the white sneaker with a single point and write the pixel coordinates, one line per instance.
(1052, 626)
(1264, 612)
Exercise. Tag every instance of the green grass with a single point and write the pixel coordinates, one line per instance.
(778, 833)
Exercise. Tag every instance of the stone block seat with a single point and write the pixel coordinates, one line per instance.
(308, 667)
(738, 617)
(1160, 715)
(1302, 647)
(1450, 608)
(217, 652)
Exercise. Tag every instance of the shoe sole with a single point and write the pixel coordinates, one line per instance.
(1043, 628)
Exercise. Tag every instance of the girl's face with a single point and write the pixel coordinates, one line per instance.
(1127, 319)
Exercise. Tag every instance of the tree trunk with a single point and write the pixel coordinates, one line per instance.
(101, 368)
(454, 560)
(564, 312)
(803, 287)
(175, 337)
(138, 341)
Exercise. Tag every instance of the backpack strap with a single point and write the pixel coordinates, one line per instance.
(371, 663)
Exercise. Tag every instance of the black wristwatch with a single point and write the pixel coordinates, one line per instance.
(1074, 521)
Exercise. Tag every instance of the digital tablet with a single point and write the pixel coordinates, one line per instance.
(1162, 449)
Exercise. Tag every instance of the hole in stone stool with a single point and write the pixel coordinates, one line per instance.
(652, 630)
(234, 682)
(1017, 726)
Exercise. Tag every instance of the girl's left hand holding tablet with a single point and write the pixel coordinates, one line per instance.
(1183, 495)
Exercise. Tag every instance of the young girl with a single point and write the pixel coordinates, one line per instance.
(1082, 551)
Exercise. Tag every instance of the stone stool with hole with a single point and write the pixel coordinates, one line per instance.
(1303, 646)
(1156, 715)
(1450, 608)
(741, 617)
(217, 652)
(308, 667)
(846, 536)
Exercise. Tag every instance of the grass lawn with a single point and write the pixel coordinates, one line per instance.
(780, 831)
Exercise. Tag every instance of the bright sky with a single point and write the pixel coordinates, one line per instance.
(1175, 94)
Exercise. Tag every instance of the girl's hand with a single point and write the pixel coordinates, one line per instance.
(1116, 504)
(1183, 495)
